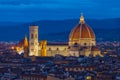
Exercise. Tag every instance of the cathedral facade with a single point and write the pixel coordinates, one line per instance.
(82, 41)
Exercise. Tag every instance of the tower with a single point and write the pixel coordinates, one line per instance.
(43, 45)
(33, 44)
(26, 46)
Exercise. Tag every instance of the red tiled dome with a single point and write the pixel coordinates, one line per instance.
(82, 30)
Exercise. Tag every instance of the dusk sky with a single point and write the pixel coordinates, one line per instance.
(33, 10)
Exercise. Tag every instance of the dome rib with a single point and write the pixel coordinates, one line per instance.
(81, 31)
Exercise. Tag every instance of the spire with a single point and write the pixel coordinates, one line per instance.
(25, 41)
(82, 18)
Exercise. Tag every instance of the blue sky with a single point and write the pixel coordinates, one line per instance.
(33, 10)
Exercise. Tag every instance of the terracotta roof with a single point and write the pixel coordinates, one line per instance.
(81, 31)
(94, 48)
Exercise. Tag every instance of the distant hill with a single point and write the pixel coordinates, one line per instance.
(58, 30)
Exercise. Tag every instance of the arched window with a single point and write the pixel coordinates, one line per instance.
(75, 44)
(31, 36)
(57, 49)
(85, 44)
(49, 49)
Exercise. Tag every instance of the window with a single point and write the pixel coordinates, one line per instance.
(31, 36)
(65, 49)
(32, 49)
(85, 44)
(75, 44)
(35, 35)
(57, 49)
(32, 43)
(49, 49)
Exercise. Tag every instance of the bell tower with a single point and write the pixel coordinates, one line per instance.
(33, 44)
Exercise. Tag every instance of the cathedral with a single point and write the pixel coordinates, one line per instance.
(82, 42)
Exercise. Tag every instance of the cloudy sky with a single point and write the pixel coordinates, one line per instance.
(33, 10)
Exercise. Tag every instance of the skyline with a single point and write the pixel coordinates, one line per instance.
(59, 40)
(34, 10)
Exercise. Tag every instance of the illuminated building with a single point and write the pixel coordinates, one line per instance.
(26, 47)
(33, 43)
(53, 48)
(43, 45)
(23, 47)
(82, 42)
(88, 78)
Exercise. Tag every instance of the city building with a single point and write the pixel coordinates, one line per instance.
(23, 47)
(82, 42)
(33, 42)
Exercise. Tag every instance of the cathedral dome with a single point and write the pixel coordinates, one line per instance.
(81, 31)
